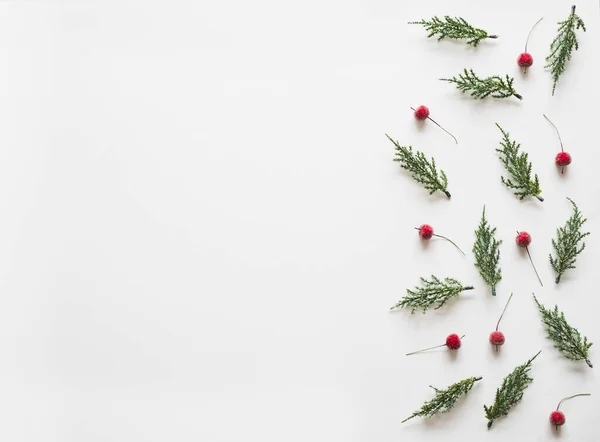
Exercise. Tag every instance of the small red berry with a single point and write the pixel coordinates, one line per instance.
(523, 239)
(453, 341)
(557, 418)
(422, 113)
(425, 231)
(497, 338)
(525, 60)
(562, 159)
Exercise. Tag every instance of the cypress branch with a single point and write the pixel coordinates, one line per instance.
(518, 166)
(423, 171)
(494, 86)
(510, 392)
(444, 400)
(566, 338)
(434, 292)
(455, 28)
(566, 245)
(487, 253)
(562, 46)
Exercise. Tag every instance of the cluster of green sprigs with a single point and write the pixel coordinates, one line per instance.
(423, 171)
(456, 28)
(563, 44)
(518, 166)
(444, 400)
(566, 338)
(494, 86)
(435, 292)
(510, 392)
(487, 253)
(566, 245)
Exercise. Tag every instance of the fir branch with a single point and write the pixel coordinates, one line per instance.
(518, 166)
(494, 86)
(435, 292)
(566, 245)
(423, 171)
(510, 392)
(487, 253)
(562, 46)
(566, 338)
(456, 28)
(444, 400)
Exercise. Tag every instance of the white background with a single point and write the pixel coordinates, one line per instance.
(202, 227)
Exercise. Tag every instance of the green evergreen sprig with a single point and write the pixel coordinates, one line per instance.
(566, 338)
(444, 400)
(487, 253)
(518, 166)
(455, 28)
(423, 171)
(494, 86)
(567, 243)
(434, 292)
(562, 46)
(510, 392)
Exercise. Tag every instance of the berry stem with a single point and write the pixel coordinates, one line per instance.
(437, 124)
(430, 348)
(571, 397)
(529, 35)
(503, 311)
(562, 169)
(533, 265)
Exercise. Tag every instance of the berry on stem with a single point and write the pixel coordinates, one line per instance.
(422, 113)
(426, 233)
(525, 60)
(523, 239)
(557, 418)
(453, 342)
(562, 158)
(497, 337)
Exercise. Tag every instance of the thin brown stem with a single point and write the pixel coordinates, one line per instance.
(437, 124)
(503, 311)
(451, 242)
(430, 348)
(557, 132)
(571, 397)
(529, 35)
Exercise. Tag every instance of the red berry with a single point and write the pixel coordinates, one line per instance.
(523, 239)
(525, 60)
(557, 418)
(453, 341)
(422, 113)
(497, 338)
(425, 231)
(562, 159)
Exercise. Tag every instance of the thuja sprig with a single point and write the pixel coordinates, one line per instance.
(518, 166)
(434, 292)
(423, 171)
(494, 86)
(562, 46)
(566, 338)
(444, 400)
(455, 28)
(567, 243)
(487, 253)
(510, 392)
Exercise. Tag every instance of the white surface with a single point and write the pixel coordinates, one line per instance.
(203, 228)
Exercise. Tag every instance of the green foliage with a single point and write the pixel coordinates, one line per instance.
(444, 400)
(431, 293)
(566, 338)
(510, 392)
(487, 253)
(456, 28)
(518, 166)
(566, 245)
(423, 171)
(494, 86)
(562, 46)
